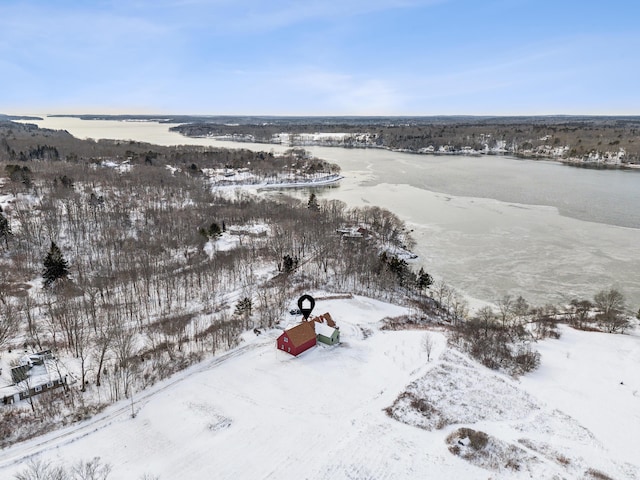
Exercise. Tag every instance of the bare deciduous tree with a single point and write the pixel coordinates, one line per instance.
(9, 322)
(83, 470)
(90, 470)
(41, 470)
(427, 344)
(611, 306)
(505, 309)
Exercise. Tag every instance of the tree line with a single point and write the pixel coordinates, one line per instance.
(527, 136)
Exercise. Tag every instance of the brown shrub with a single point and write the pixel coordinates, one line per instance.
(597, 474)
(477, 439)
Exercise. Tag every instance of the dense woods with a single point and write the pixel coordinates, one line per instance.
(134, 270)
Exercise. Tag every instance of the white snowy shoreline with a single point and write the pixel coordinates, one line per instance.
(321, 182)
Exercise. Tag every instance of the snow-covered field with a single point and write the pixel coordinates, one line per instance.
(257, 413)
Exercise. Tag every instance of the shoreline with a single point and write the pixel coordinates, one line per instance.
(456, 235)
(323, 182)
(572, 162)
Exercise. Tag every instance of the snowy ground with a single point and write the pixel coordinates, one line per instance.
(257, 413)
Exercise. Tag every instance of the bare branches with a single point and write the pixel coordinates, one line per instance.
(427, 344)
(9, 320)
(93, 469)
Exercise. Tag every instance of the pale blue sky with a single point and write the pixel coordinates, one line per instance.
(320, 57)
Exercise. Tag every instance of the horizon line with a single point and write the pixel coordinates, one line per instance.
(263, 115)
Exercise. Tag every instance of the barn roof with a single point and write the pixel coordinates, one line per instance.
(325, 318)
(301, 333)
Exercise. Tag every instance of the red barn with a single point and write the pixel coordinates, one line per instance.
(297, 339)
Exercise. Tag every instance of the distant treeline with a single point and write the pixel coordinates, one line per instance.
(563, 137)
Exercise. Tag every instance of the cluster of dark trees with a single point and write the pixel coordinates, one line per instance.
(404, 274)
(213, 230)
(5, 229)
(19, 173)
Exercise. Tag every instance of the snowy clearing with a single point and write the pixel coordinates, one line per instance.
(257, 413)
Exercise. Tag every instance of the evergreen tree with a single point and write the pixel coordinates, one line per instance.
(5, 229)
(404, 275)
(244, 306)
(313, 203)
(55, 266)
(424, 280)
(289, 263)
(19, 174)
(213, 231)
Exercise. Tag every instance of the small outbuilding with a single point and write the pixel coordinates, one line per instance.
(297, 339)
(326, 329)
(327, 334)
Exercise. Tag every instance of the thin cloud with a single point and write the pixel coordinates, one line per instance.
(312, 57)
(340, 92)
(254, 17)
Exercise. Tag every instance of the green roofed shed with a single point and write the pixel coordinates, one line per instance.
(327, 334)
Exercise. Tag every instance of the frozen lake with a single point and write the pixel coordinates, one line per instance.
(486, 225)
